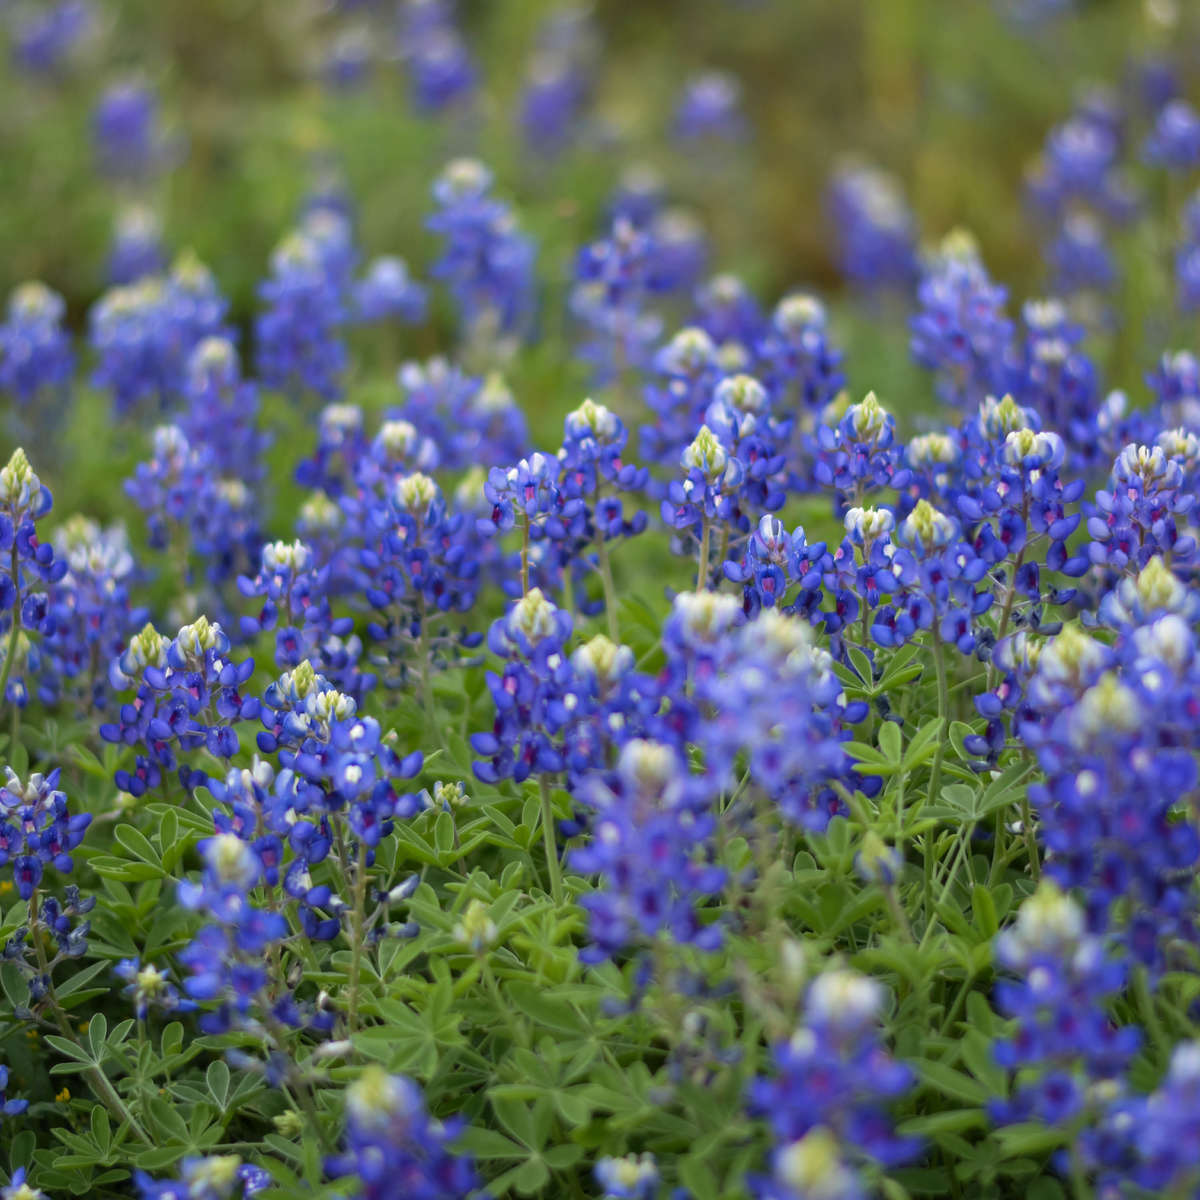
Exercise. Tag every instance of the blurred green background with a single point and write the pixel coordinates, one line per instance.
(953, 96)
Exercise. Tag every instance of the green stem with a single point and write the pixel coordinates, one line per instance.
(550, 842)
(525, 557)
(935, 774)
(898, 914)
(1035, 867)
(610, 591)
(108, 1094)
(357, 934)
(702, 566)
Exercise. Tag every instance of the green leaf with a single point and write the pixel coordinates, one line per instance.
(958, 1120)
(101, 1129)
(699, 1178)
(443, 834)
(950, 1082)
(984, 909)
(891, 742)
(1030, 1138)
(487, 1143)
(531, 1177)
(97, 1036)
(137, 843)
(68, 1048)
(172, 1039)
(217, 1078)
(15, 986)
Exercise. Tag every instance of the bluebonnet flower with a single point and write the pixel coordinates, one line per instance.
(811, 1168)
(441, 70)
(634, 1177)
(936, 462)
(528, 696)
(772, 561)
(1056, 379)
(1155, 78)
(9, 1108)
(24, 500)
(732, 318)
(149, 988)
(300, 349)
(1079, 257)
(295, 604)
(398, 449)
(336, 762)
(874, 226)
(193, 512)
(592, 469)
(710, 107)
(487, 263)
(687, 369)
(961, 332)
(939, 573)
(826, 1098)
(559, 79)
(471, 422)
(341, 446)
(678, 251)
(1175, 140)
(552, 100)
(1187, 257)
(534, 497)
(144, 334)
(1150, 1142)
(388, 293)
(638, 196)
(609, 300)
(608, 704)
(188, 697)
(36, 360)
(273, 814)
(394, 1149)
(1078, 186)
(125, 129)
(37, 363)
(861, 577)
(137, 246)
(1018, 503)
(1175, 382)
(347, 62)
(706, 496)
(229, 962)
(650, 840)
(415, 564)
(222, 411)
(780, 704)
(798, 361)
(859, 454)
(742, 416)
(44, 40)
(216, 1177)
(1064, 1040)
(93, 617)
(1140, 513)
(37, 830)
(1108, 724)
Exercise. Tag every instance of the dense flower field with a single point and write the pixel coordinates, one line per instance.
(481, 729)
